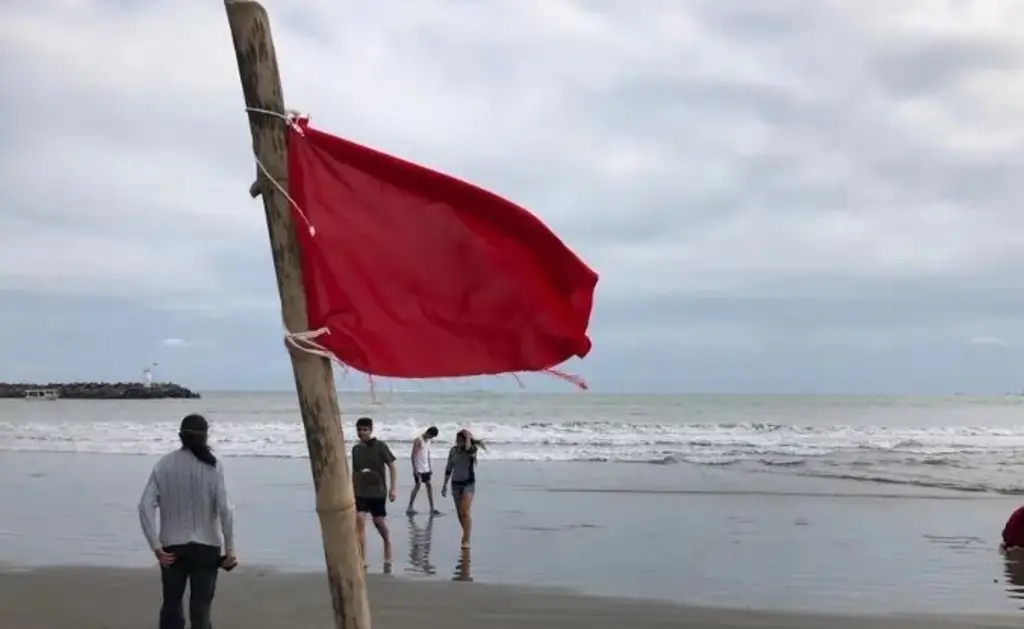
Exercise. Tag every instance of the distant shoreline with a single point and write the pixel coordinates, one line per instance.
(100, 390)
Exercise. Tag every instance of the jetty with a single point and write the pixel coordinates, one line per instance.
(98, 390)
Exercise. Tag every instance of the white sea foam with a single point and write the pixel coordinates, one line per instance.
(958, 443)
(555, 441)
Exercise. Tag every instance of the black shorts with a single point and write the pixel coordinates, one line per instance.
(423, 477)
(376, 507)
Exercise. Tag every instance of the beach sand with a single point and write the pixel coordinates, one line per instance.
(676, 533)
(252, 598)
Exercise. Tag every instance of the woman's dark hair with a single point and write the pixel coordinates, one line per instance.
(433, 431)
(193, 434)
(467, 438)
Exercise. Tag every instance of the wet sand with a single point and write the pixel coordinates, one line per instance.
(252, 598)
(695, 537)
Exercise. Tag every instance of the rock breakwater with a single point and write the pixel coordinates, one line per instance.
(101, 390)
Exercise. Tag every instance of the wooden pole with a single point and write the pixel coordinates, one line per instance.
(314, 380)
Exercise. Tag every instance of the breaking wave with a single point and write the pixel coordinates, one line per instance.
(960, 458)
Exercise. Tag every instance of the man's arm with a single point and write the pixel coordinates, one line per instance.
(226, 511)
(147, 512)
(416, 445)
(389, 458)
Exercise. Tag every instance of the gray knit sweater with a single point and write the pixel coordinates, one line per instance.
(193, 504)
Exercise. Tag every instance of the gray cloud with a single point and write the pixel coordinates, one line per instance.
(795, 196)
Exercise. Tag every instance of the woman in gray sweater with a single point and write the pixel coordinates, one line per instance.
(187, 489)
(461, 471)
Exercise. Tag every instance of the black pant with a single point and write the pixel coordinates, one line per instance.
(195, 565)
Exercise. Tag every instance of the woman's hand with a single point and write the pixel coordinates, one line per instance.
(444, 491)
(163, 557)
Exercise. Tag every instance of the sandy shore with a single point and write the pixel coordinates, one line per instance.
(251, 598)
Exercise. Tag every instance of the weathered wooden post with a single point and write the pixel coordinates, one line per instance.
(314, 379)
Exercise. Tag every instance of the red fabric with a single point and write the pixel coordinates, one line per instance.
(419, 275)
(1013, 532)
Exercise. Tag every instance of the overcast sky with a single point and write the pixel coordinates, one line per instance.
(784, 196)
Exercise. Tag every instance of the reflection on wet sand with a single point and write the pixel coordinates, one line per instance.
(1014, 567)
(462, 572)
(419, 546)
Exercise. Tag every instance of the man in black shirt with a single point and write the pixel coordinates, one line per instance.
(370, 457)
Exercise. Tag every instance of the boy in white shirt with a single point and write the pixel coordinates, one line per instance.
(421, 471)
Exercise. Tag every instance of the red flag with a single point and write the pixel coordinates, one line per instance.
(415, 274)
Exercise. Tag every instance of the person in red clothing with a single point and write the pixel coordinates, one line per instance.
(1013, 531)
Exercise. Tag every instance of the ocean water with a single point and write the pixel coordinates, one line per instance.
(828, 503)
(960, 443)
